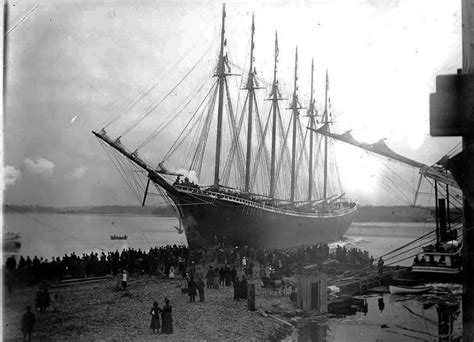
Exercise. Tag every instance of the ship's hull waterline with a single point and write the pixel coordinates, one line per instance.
(209, 219)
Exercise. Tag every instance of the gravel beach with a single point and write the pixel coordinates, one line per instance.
(98, 312)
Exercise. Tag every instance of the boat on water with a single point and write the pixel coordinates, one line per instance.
(11, 242)
(396, 289)
(261, 196)
(118, 237)
(440, 256)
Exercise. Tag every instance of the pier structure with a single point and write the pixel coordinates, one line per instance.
(451, 114)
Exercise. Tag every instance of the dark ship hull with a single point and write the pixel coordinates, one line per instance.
(212, 217)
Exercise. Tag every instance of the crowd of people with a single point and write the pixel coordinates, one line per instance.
(196, 268)
(167, 261)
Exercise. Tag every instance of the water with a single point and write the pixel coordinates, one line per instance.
(50, 235)
(435, 316)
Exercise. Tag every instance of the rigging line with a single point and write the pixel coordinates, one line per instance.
(153, 107)
(124, 164)
(283, 148)
(173, 116)
(117, 166)
(32, 9)
(338, 175)
(408, 257)
(144, 91)
(261, 149)
(452, 196)
(172, 148)
(196, 128)
(198, 157)
(451, 151)
(416, 247)
(303, 153)
(266, 154)
(230, 113)
(235, 146)
(131, 183)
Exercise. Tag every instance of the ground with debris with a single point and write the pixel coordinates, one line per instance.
(99, 312)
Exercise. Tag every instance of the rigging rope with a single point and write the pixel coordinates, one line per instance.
(133, 100)
(173, 116)
(177, 143)
(153, 107)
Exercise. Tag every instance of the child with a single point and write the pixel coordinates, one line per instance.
(155, 318)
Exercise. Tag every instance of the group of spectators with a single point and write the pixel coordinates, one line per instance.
(171, 259)
(353, 256)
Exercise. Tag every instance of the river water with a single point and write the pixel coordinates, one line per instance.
(48, 235)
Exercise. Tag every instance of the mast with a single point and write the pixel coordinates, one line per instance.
(221, 75)
(274, 99)
(251, 93)
(325, 122)
(294, 107)
(311, 125)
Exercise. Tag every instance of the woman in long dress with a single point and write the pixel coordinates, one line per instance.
(155, 318)
(166, 318)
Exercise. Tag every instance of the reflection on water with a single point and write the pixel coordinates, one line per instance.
(432, 317)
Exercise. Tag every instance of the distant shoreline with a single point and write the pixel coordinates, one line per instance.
(364, 214)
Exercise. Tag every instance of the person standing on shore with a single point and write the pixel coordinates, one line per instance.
(210, 277)
(166, 318)
(380, 265)
(237, 289)
(27, 323)
(192, 290)
(155, 318)
(124, 279)
(119, 281)
(200, 288)
(184, 283)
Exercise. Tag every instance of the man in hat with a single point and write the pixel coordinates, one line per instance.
(27, 323)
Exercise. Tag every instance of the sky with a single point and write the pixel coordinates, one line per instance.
(72, 65)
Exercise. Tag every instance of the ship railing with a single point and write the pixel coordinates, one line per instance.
(240, 200)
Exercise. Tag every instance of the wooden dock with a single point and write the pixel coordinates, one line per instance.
(358, 285)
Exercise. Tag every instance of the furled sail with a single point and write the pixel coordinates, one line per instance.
(436, 172)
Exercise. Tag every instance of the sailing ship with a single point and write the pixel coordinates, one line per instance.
(439, 258)
(247, 213)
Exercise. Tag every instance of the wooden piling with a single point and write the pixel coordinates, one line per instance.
(251, 297)
(312, 293)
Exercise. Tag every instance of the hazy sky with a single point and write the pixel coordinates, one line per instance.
(73, 64)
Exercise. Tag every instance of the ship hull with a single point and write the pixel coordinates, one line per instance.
(208, 220)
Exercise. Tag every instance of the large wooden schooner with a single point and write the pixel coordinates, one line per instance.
(268, 216)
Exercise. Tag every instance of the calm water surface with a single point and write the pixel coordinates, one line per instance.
(50, 235)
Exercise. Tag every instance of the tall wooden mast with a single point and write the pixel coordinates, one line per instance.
(294, 107)
(326, 122)
(311, 126)
(274, 98)
(251, 94)
(221, 75)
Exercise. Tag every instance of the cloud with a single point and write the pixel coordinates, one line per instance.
(42, 167)
(10, 175)
(79, 172)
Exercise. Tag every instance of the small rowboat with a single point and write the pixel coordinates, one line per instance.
(118, 237)
(408, 289)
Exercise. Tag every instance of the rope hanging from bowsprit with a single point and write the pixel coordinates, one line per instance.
(154, 106)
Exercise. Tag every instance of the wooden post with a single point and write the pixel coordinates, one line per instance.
(312, 293)
(251, 297)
